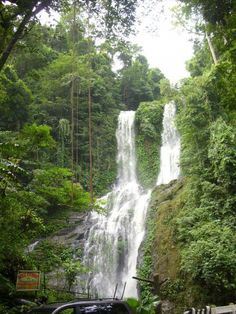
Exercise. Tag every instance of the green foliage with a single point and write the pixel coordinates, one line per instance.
(9, 170)
(134, 84)
(145, 268)
(37, 141)
(213, 11)
(204, 226)
(209, 258)
(19, 224)
(34, 52)
(148, 140)
(139, 83)
(72, 268)
(220, 87)
(194, 116)
(148, 307)
(201, 60)
(36, 194)
(48, 255)
(53, 106)
(55, 186)
(222, 153)
(15, 97)
(166, 91)
(154, 77)
(27, 196)
(64, 133)
(112, 19)
(39, 136)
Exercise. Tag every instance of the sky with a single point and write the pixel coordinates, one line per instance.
(168, 48)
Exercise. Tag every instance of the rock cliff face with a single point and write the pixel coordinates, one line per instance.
(73, 236)
(163, 209)
(176, 291)
(166, 201)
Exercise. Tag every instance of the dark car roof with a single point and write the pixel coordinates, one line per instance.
(45, 308)
(49, 308)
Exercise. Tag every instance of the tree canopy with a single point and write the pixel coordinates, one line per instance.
(18, 17)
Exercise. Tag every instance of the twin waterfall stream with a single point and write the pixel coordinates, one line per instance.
(113, 241)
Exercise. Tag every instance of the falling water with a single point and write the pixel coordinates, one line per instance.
(170, 148)
(112, 247)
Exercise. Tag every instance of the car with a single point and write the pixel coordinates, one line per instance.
(44, 308)
(102, 306)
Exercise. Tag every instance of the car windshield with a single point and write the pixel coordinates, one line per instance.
(94, 307)
(104, 308)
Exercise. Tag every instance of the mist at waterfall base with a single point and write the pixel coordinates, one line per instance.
(111, 249)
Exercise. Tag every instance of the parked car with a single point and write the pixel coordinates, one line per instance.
(44, 308)
(103, 306)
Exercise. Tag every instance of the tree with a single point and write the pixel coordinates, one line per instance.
(54, 185)
(154, 77)
(201, 60)
(205, 221)
(135, 84)
(215, 20)
(16, 20)
(37, 139)
(213, 11)
(36, 51)
(148, 121)
(18, 17)
(222, 153)
(16, 97)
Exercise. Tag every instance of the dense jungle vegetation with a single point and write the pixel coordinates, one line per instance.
(59, 103)
(193, 252)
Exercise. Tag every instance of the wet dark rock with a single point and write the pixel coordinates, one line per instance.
(164, 253)
(74, 234)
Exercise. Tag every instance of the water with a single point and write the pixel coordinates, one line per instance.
(111, 249)
(30, 248)
(170, 147)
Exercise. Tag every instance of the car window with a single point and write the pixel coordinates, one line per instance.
(103, 309)
(95, 308)
(111, 308)
(116, 308)
(89, 309)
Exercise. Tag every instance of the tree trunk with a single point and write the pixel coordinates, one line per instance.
(18, 33)
(212, 50)
(90, 145)
(72, 137)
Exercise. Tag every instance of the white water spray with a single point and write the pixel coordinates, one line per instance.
(170, 147)
(111, 250)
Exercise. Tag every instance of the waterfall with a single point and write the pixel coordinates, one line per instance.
(170, 147)
(30, 248)
(111, 249)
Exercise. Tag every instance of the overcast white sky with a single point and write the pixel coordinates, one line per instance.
(168, 49)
